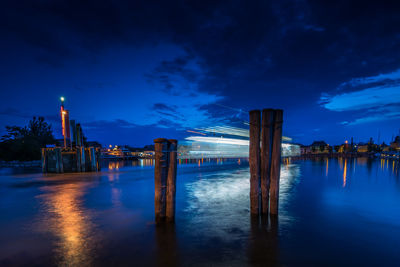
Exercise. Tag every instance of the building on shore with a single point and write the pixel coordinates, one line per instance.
(363, 148)
(317, 147)
(395, 145)
(127, 152)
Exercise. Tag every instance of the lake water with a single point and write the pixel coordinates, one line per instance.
(332, 212)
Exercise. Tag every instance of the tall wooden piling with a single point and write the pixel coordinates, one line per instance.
(93, 161)
(276, 161)
(44, 160)
(266, 141)
(171, 181)
(78, 159)
(59, 162)
(160, 178)
(98, 155)
(83, 159)
(254, 161)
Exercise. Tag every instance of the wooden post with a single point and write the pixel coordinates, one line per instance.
(266, 142)
(93, 161)
(254, 160)
(87, 159)
(44, 160)
(98, 153)
(78, 159)
(160, 178)
(59, 163)
(276, 161)
(171, 181)
(83, 159)
(57, 170)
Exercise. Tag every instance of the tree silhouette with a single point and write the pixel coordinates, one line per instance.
(24, 143)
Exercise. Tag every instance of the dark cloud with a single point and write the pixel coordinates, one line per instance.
(12, 112)
(162, 106)
(129, 133)
(254, 54)
(176, 74)
(233, 41)
(171, 115)
(168, 124)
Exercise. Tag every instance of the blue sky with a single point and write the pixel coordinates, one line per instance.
(132, 72)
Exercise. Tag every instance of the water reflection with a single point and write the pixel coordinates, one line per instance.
(117, 164)
(264, 241)
(217, 200)
(166, 245)
(327, 167)
(290, 178)
(66, 218)
(345, 173)
(221, 201)
(384, 165)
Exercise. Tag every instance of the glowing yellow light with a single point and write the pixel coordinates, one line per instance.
(327, 167)
(345, 173)
(346, 142)
(62, 99)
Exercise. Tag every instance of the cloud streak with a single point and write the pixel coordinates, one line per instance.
(377, 96)
(364, 99)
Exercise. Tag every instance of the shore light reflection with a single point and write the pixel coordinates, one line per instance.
(70, 223)
(327, 167)
(345, 173)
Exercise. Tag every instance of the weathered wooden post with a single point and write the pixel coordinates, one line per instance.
(276, 161)
(83, 159)
(254, 161)
(78, 159)
(44, 160)
(160, 178)
(59, 162)
(86, 152)
(98, 154)
(266, 141)
(171, 181)
(93, 161)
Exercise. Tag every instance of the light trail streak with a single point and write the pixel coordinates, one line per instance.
(190, 131)
(219, 140)
(228, 130)
(219, 147)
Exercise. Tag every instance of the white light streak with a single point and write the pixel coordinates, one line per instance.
(219, 140)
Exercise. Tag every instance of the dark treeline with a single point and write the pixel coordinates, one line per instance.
(25, 143)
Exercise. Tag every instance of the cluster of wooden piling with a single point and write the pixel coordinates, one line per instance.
(165, 179)
(265, 160)
(78, 159)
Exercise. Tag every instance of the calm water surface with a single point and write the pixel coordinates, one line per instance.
(332, 212)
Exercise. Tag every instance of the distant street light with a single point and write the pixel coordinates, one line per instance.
(62, 99)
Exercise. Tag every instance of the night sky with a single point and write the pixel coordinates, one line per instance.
(132, 71)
